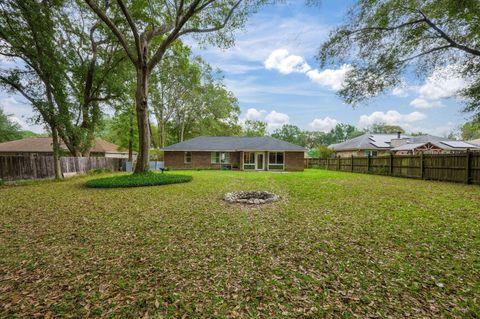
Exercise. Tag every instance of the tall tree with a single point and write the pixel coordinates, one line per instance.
(91, 58)
(382, 128)
(255, 128)
(386, 39)
(9, 130)
(291, 133)
(62, 67)
(27, 33)
(470, 130)
(146, 29)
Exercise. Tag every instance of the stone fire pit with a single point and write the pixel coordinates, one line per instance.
(250, 197)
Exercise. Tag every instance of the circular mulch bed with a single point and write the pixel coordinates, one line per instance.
(251, 197)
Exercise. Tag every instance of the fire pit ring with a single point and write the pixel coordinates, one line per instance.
(251, 197)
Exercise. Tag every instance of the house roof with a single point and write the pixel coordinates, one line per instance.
(475, 142)
(234, 143)
(445, 145)
(44, 145)
(367, 142)
(382, 142)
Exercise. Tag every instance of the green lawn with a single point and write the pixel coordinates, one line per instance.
(338, 245)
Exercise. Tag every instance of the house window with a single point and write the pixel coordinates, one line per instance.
(220, 158)
(188, 158)
(249, 160)
(275, 160)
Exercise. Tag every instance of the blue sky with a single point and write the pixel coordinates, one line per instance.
(273, 72)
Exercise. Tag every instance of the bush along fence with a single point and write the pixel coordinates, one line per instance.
(460, 167)
(38, 167)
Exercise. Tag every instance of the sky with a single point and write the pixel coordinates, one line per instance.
(273, 72)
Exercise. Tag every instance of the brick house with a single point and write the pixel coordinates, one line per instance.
(398, 144)
(235, 152)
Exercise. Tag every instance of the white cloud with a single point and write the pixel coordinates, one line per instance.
(273, 119)
(285, 62)
(391, 118)
(20, 112)
(333, 79)
(254, 114)
(323, 125)
(443, 83)
(422, 103)
(276, 120)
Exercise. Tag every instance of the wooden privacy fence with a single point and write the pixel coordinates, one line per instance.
(25, 167)
(460, 167)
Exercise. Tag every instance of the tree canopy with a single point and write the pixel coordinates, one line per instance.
(9, 130)
(384, 40)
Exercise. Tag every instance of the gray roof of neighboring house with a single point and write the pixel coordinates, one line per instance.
(445, 145)
(475, 142)
(382, 142)
(234, 143)
(367, 142)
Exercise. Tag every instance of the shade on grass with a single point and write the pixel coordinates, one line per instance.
(138, 180)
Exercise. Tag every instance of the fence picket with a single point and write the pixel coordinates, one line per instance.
(25, 167)
(460, 167)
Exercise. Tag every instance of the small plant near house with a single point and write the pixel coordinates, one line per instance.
(138, 180)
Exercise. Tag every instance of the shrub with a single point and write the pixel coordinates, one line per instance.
(138, 180)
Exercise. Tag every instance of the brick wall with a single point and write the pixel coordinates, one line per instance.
(200, 160)
(294, 161)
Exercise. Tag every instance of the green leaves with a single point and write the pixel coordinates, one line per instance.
(386, 39)
(9, 130)
(138, 180)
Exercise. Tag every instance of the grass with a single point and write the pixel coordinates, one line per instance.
(137, 180)
(338, 245)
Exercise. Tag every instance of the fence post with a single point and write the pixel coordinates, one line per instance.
(421, 165)
(368, 163)
(391, 164)
(467, 166)
(338, 163)
(351, 163)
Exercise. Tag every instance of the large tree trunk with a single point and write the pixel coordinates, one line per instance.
(130, 140)
(141, 100)
(56, 153)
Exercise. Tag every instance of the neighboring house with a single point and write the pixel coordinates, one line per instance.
(475, 142)
(235, 152)
(429, 144)
(366, 144)
(42, 146)
(399, 144)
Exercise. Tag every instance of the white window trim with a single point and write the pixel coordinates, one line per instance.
(254, 160)
(185, 157)
(220, 162)
(268, 160)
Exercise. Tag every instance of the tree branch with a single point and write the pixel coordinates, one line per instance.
(213, 29)
(132, 26)
(18, 88)
(114, 29)
(445, 36)
(426, 52)
(350, 32)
